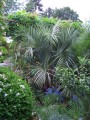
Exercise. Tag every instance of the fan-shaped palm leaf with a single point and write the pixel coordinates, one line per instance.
(63, 53)
(40, 72)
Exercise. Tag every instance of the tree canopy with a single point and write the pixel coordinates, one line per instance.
(48, 12)
(65, 13)
(34, 5)
(11, 5)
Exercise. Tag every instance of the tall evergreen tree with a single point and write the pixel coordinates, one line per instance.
(34, 5)
(65, 13)
(11, 5)
(48, 12)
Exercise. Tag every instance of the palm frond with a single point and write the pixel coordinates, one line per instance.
(63, 53)
(40, 72)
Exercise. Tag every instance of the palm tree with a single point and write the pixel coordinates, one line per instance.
(43, 48)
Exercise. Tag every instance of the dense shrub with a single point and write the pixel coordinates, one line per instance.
(3, 49)
(83, 47)
(83, 43)
(27, 19)
(15, 97)
(2, 22)
(74, 82)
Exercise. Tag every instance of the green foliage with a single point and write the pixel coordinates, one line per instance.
(51, 99)
(74, 111)
(4, 53)
(2, 58)
(38, 49)
(46, 50)
(83, 44)
(2, 23)
(2, 3)
(63, 13)
(15, 97)
(48, 12)
(83, 47)
(11, 5)
(46, 112)
(85, 61)
(23, 18)
(86, 104)
(60, 112)
(34, 5)
(3, 49)
(66, 13)
(3, 44)
(73, 81)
